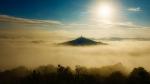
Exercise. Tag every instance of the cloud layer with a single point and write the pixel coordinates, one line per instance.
(11, 19)
(137, 9)
(93, 28)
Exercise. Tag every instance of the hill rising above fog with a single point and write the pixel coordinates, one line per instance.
(82, 41)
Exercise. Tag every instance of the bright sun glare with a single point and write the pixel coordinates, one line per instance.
(105, 11)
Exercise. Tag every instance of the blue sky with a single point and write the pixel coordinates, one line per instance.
(130, 18)
(141, 17)
(64, 10)
(69, 10)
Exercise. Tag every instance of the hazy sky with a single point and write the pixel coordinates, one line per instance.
(91, 18)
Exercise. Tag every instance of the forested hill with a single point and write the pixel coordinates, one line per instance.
(65, 75)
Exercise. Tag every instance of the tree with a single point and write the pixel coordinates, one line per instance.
(139, 76)
(116, 78)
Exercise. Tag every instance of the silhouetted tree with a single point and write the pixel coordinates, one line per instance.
(65, 75)
(116, 78)
(139, 76)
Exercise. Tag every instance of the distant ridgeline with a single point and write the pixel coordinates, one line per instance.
(82, 41)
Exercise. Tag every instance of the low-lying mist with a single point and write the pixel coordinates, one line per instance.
(40, 48)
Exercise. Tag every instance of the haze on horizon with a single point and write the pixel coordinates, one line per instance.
(30, 30)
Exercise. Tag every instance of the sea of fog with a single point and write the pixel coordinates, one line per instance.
(32, 52)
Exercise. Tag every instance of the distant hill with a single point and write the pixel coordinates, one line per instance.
(82, 41)
(120, 39)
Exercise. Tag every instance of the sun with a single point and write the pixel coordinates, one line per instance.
(105, 11)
